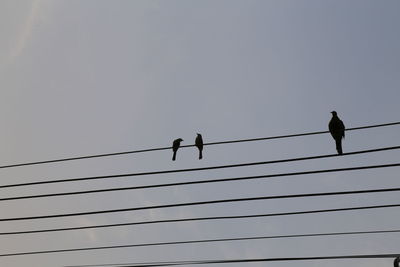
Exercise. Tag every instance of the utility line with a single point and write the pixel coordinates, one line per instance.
(197, 242)
(176, 263)
(169, 147)
(188, 204)
(198, 219)
(219, 201)
(199, 182)
(202, 168)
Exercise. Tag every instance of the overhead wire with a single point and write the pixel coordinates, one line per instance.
(214, 201)
(199, 182)
(206, 203)
(184, 146)
(201, 168)
(248, 260)
(209, 202)
(186, 242)
(191, 219)
(75, 228)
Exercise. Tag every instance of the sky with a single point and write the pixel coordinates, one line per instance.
(96, 76)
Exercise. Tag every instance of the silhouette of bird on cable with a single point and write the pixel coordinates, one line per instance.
(175, 145)
(336, 128)
(199, 143)
(396, 262)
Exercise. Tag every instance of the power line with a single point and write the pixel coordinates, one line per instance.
(188, 204)
(207, 202)
(198, 242)
(207, 144)
(199, 182)
(379, 256)
(202, 168)
(175, 263)
(197, 219)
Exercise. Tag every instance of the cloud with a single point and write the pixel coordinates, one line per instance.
(90, 233)
(26, 32)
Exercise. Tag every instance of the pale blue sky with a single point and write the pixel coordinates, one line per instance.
(87, 77)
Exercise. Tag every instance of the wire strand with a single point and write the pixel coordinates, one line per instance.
(175, 263)
(198, 242)
(200, 169)
(195, 219)
(189, 204)
(199, 182)
(184, 146)
(219, 201)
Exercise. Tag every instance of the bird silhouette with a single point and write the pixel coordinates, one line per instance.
(396, 262)
(199, 143)
(336, 128)
(175, 146)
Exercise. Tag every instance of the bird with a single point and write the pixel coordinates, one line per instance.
(175, 146)
(336, 128)
(199, 143)
(396, 262)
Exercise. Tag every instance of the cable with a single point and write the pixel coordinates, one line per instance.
(195, 219)
(208, 202)
(197, 242)
(175, 263)
(202, 168)
(188, 204)
(166, 148)
(199, 182)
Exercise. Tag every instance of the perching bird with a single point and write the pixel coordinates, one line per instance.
(396, 262)
(336, 127)
(175, 146)
(199, 143)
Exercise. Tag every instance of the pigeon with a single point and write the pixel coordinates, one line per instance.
(199, 143)
(336, 128)
(175, 146)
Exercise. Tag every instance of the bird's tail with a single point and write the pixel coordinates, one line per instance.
(339, 146)
(174, 156)
(200, 154)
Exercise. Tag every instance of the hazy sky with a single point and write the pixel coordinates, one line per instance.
(96, 76)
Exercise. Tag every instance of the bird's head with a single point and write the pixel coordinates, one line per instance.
(334, 113)
(198, 134)
(179, 139)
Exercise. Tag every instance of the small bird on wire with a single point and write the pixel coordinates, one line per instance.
(199, 143)
(175, 146)
(336, 128)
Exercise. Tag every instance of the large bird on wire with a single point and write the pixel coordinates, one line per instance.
(336, 128)
(396, 262)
